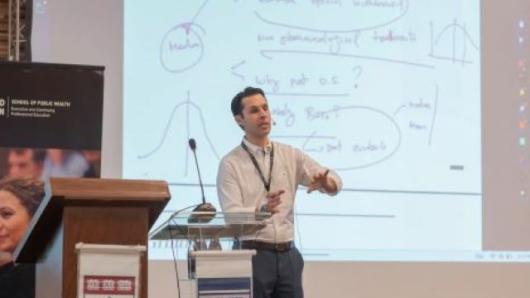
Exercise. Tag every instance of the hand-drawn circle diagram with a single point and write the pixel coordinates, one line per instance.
(367, 136)
(182, 47)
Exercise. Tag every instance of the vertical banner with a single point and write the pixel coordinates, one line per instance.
(50, 126)
(51, 106)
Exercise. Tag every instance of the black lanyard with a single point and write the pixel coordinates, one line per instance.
(267, 184)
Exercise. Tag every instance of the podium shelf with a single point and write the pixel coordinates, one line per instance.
(193, 225)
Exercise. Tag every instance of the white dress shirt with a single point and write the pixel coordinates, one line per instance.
(240, 188)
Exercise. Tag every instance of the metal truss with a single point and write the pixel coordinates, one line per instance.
(17, 29)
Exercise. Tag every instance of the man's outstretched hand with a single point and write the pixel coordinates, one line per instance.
(321, 180)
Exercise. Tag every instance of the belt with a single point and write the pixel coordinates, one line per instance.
(260, 245)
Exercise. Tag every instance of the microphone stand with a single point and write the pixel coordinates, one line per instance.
(204, 212)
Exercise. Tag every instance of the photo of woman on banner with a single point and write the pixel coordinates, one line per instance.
(19, 199)
(23, 172)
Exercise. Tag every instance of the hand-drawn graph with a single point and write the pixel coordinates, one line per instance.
(187, 106)
(453, 42)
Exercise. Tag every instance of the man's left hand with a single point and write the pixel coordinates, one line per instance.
(321, 180)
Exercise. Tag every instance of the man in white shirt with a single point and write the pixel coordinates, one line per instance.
(260, 175)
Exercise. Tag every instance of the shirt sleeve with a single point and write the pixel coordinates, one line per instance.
(308, 167)
(229, 190)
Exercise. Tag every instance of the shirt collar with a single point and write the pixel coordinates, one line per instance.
(255, 149)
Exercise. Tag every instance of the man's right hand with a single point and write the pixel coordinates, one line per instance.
(274, 200)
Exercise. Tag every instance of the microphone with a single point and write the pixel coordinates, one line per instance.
(205, 211)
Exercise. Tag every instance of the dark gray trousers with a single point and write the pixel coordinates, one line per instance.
(278, 274)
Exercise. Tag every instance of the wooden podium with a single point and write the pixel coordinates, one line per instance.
(99, 211)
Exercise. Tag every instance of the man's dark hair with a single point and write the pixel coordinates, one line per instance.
(38, 155)
(237, 106)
